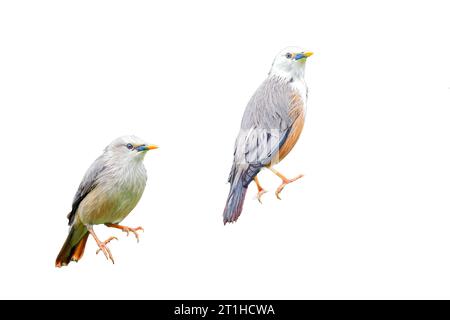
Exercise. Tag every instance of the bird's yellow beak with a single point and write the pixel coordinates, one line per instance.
(151, 147)
(145, 148)
(302, 56)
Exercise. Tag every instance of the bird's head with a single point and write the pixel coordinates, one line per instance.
(290, 63)
(129, 148)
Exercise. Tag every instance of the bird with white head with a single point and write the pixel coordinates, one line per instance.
(109, 191)
(270, 127)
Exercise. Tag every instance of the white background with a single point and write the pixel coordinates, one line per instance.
(370, 219)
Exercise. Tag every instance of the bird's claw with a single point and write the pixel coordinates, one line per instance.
(102, 247)
(284, 184)
(260, 194)
(134, 231)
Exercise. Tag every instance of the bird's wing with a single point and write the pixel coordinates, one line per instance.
(265, 126)
(88, 184)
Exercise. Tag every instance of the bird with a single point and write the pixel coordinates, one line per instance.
(271, 125)
(109, 191)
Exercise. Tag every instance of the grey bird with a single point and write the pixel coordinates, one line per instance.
(271, 125)
(109, 191)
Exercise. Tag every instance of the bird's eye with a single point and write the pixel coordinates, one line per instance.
(288, 55)
(130, 146)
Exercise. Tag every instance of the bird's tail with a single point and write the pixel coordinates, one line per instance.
(235, 202)
(73, 247)
(236, 197)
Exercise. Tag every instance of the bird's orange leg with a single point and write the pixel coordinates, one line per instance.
(102, 245)
(285, 180)
(126, 229)
(261, 190)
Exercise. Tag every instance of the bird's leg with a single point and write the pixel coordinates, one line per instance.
(102, 245)
(285, 181)
(126, 229)
(261, 190)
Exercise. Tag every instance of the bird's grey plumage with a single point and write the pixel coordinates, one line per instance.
(116, 182)
(264, 128)
(88, 183)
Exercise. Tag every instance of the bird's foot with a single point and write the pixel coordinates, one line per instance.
(134, 231)
(102, 247)
(261, 190)
(284, 184)
(127, 229)
(260, 194)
